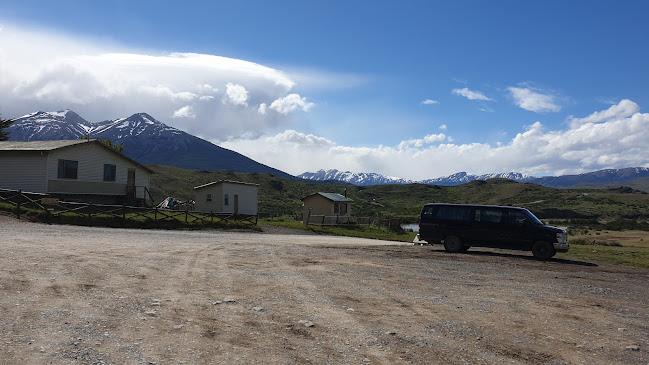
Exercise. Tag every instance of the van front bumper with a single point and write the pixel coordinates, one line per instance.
(561, 247)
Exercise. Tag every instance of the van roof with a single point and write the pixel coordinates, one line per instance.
(477, 205)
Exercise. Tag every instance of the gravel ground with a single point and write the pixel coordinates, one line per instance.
(82, 295)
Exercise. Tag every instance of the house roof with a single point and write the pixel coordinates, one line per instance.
(38, 145)
(335, 197)
(46, 146)
(224, 181)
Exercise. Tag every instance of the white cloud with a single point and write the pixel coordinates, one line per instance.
(184, 90)
(624, 109)
(184, 112)
(534, 101)
(291, 103)
(308, 140)
(430, 102)
(263, 109)
(471, 95)
(610, 143)
(420, 142)
(166, 92)
(235, 94)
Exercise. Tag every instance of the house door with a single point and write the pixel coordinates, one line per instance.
(236, 204)
(130, 184)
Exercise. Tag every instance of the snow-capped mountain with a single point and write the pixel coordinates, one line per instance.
(367, 179)
(145, 139)
(463, 178)
(43, 126)
(596, 177)
(353, 178)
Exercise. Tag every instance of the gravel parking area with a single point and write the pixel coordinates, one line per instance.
(85, 295)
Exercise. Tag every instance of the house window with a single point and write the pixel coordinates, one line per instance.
(209, 197)
(68, 169)
(336, 208)
(110, 171)
(226, 200)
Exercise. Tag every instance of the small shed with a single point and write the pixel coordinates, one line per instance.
(326, 204)
(226, 196)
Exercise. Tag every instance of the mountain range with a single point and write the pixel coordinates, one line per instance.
(596, 177)
(145, 139)
(149, 141)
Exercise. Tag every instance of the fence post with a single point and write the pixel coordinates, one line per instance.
(211, 216)
(20, 200)
(90, 214)
(308, 218)
(186, 214)
(155, 214)
(124, 211)
(323, 219)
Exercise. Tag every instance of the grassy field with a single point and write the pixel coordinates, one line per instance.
(630, 248)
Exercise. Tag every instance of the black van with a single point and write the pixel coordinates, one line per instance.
(460, 226)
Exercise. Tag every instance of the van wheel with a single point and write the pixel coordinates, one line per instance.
(453, 244)
(543, 250)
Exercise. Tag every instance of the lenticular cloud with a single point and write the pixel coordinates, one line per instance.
(211, 96)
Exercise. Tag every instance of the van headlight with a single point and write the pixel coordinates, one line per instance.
(562, 237)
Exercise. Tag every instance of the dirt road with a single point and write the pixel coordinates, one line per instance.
(78, 295)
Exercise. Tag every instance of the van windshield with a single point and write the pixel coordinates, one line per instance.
(533, 218)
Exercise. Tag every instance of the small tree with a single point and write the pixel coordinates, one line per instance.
(107, 142)
(5, 123)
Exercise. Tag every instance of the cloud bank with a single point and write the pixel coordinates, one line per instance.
(210, 96)
(611, 138)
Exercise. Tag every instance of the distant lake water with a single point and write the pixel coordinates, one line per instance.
(411, 226)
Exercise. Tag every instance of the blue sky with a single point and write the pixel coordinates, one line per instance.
(414, 89)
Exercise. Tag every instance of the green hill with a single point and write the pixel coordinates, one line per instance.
(279, 196)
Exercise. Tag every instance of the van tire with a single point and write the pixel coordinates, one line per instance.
(543, 250)
(453, 244)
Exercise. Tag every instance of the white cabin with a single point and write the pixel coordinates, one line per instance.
(225, 196)
(85, 170)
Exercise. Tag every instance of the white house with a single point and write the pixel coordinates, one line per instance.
(86, 170)
(225, 196)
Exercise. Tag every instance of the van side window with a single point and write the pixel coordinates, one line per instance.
(453, 213)
(491, 215)
(428, 210)
(517, 218)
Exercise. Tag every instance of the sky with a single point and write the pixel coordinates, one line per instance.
(410, 89)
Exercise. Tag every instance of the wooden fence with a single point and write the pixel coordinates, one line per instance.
(52, 207)
(335, 220)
